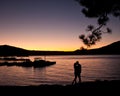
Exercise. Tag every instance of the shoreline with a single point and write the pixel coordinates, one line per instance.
(87, 88)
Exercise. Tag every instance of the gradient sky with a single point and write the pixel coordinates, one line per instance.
(47, 25)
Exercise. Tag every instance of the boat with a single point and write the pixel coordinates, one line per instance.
(38, 62)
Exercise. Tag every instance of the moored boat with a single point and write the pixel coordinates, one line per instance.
(38, 62)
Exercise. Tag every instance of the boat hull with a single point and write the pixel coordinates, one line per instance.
(29, 64)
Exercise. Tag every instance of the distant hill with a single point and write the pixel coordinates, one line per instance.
(7, 50)
(113, 48)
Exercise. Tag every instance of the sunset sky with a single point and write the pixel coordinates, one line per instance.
(53, 25)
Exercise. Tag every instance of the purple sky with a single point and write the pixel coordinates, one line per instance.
(47, 25)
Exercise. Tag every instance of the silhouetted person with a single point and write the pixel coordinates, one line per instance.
(77, 72)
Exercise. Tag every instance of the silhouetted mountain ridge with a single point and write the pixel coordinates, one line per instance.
(113, 48)
(7, 50)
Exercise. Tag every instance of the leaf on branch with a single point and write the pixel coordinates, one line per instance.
(103, 20)
(109, 30)
(82, 36)
(90, 28)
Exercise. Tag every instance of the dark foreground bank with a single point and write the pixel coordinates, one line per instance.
(85, 88)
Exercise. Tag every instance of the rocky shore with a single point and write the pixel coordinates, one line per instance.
(95, 88)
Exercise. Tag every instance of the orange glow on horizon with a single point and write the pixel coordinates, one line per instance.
(55, 46)
(63, 48)
(51, 49)
(48, 27)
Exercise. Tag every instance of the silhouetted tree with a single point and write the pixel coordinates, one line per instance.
(100, 9)
(82, 48)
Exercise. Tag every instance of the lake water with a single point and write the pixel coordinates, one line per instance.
(94, 67)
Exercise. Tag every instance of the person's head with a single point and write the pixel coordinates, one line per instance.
(77, 62)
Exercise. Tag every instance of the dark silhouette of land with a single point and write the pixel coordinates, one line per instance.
(111, 49)
(96, 88)
(114, 48)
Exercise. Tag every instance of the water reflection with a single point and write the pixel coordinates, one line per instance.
(93, 68)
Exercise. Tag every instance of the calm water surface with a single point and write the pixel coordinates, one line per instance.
(94, 67)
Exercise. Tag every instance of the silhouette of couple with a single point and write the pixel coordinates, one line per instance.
(77, 72)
